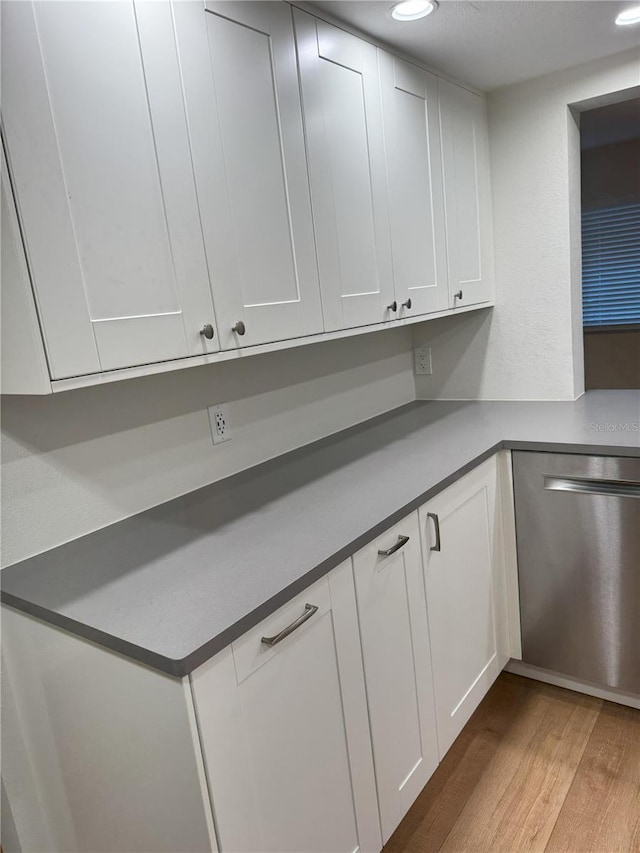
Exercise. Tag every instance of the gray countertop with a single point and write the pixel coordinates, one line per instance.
(172, 586)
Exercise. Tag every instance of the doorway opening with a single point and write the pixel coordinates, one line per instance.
(610, 200)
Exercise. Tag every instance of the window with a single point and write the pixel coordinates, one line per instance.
(611, 265)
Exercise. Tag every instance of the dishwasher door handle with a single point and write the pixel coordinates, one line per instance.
(593, 486)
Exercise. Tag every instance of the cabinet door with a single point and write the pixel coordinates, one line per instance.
(465, 597)
(397, 665)
(414, 179)
(243, 105)
(99, 152)
(23, 363)
(467, 192)
(285, 733)
(343, 124)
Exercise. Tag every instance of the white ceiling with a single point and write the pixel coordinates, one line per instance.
(492, 43)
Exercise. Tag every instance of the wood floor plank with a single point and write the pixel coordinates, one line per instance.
(516, 804)
(602, 808)
(433, 815)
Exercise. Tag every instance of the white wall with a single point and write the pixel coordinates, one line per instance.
(530, 347)
(78, 461)
(83, 459)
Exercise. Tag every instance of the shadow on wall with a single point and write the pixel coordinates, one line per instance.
(77, 461)
(46, 423)
(459, 347)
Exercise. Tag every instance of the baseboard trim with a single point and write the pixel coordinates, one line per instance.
(537, 674)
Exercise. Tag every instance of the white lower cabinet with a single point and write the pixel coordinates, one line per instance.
(397, 665)
(284, 730)
(466, 595)
(314, 732)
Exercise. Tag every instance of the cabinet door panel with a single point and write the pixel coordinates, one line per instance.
(243, 104)
(395, 648)
(467, 192)
(463, 585)
(414, 177)
(275, 724)
(106, 191)
(343, 124)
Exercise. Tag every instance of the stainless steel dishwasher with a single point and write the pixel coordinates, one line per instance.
(578, 535)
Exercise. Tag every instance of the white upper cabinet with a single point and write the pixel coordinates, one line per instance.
(397, 664)
(23, 364)
(193, 178)
(467, 192)
(415, 190)
(243, 106)
(466, 596)
(99, 152)
(283, 722)
(345, 146)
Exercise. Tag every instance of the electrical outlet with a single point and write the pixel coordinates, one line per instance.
(219, 423)
(422, 361)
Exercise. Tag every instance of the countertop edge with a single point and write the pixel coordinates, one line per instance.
(110, 642)
(225, 638)
(180, 668)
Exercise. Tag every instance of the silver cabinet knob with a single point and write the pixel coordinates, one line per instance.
(393, 306)
(458, 295)
(407, 304)
(239, 328)
(207, 331)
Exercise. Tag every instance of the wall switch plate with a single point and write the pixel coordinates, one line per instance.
(219, 423)
(422, 361)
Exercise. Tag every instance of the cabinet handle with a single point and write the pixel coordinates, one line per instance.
(239, 328)
(458, 295)
(436, 524)
(393, 306)
(387, 552)
(309, 610)
(207, 331)
(407, 304)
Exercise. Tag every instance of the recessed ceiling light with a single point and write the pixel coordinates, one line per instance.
(629, 16)
(411, 10)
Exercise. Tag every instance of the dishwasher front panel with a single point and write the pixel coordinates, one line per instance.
(578, 535)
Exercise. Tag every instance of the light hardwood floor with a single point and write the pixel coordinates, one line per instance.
(537, 768)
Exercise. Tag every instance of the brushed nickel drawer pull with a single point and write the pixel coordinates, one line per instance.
(387, 552)
(207, 331)
(309, 610)
(436, 524)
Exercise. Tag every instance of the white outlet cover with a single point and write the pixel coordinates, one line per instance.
(219, 423)
(422, 361)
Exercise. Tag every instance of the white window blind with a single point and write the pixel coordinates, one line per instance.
(611, 265)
